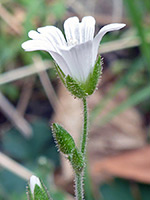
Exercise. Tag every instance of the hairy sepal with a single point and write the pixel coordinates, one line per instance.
(92, 81)
(82, 90)
(60, 73)
(75, 88)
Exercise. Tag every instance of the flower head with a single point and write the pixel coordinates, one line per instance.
(76, 55)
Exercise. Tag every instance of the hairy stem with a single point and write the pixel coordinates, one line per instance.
(79, 186)
(85, 127)
(79, 177)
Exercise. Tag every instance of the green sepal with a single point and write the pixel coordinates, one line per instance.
(82, 90)
(63, 139)
(60, 73)
(75, 88)
(92, 81)
(40, 194)
(77, 161)
(29, 194)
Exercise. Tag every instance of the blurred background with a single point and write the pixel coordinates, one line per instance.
(32, 97)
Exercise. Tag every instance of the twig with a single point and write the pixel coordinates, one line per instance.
(119, 44)
(46, 83)
(20, 123)
(25, 95)
(10, 20)
(8, 163)
(23, 72)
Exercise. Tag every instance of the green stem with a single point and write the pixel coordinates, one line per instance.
(79, 186)
(79, 176)
(85, 128)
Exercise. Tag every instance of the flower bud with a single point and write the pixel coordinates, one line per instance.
(33, 182)
(37, 190)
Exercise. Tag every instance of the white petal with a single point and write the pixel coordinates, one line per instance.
(77, 32)
(53, 34)
(33, 45)
(35, 35)
(61, 62)
(79, 60)
(87, 29)
(71, 28)
(46, 40)
(101, 33)
(108, 28)
(39, 42)
(34, 181)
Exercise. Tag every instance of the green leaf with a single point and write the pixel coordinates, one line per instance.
(67, 146)
(63, 139)
(75, 88)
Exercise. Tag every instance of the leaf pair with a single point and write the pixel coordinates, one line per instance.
(66, 145)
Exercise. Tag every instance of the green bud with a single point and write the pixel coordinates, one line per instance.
(77, 160)
(92, 81)
(75, 88)
(36, 190)
(63, 139)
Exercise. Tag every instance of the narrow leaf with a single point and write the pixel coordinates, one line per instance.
(63, 139)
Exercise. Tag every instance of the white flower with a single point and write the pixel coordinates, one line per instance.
(34, 181)
(77, 54)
